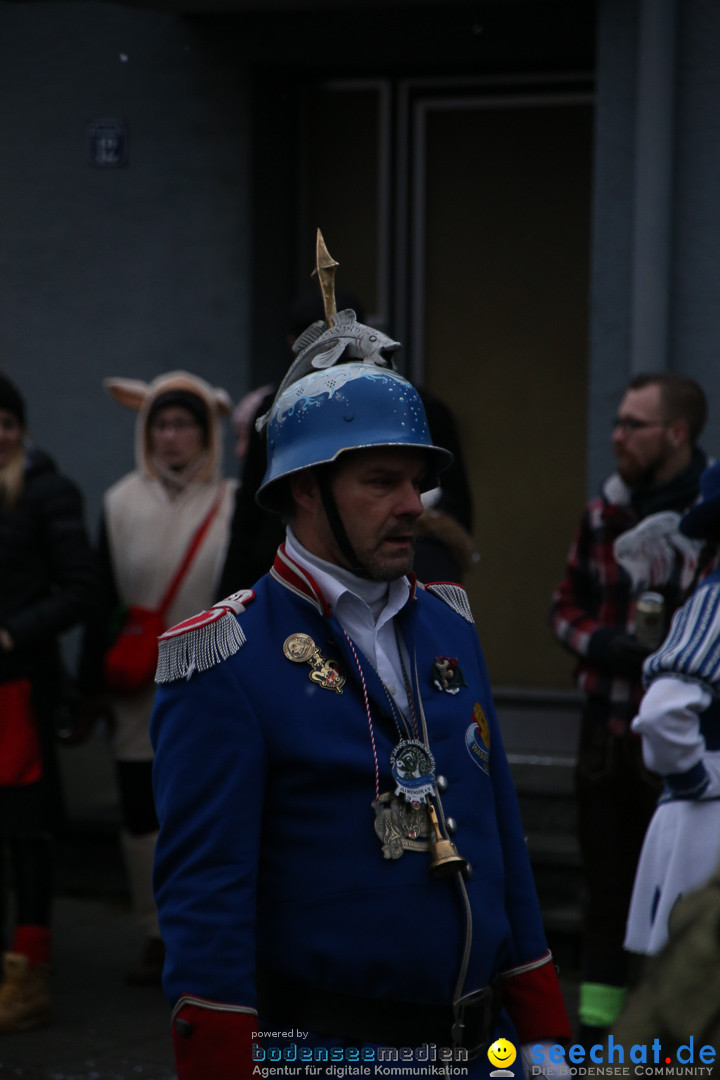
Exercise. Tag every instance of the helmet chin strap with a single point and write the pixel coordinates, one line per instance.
(323, 476)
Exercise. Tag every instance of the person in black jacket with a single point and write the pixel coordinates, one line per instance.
(47, 586)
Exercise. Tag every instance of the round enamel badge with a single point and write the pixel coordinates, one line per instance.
(477, 738)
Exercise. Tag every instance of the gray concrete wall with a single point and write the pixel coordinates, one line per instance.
(117, 271)
(695, 325)
(694, 228)
(611, 268)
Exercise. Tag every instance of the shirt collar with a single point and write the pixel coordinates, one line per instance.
(335, 582)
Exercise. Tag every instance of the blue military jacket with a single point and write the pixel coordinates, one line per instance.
(268, 858)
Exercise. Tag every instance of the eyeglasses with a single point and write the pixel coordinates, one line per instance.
(627, 425)
(174, 425)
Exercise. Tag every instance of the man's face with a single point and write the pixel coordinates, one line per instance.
(643, 439)
(175, 436)
(377, 494)
(10, 436)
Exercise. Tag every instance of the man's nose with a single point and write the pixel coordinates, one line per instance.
(410, 501)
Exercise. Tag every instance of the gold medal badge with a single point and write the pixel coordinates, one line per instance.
(301, 649)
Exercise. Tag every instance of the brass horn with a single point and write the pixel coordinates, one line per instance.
(445, 857)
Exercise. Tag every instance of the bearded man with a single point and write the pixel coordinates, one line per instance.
(627, 542)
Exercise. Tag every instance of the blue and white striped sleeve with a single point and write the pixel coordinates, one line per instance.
(692, 648)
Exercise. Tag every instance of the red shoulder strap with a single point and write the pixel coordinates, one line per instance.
(195, 543)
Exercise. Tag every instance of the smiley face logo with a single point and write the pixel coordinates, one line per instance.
(502, 1053)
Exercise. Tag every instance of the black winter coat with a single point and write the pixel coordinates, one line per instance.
(47, 575)
(47, 586)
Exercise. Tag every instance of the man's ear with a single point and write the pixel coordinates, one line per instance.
(679, 432)
(304, 489)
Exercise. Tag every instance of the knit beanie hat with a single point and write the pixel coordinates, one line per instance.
(11, 400)
(187, 400)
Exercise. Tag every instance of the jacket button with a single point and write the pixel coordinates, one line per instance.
(451, 825)
(442, 784)
(184, 1028)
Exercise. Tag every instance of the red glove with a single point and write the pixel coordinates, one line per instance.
(533, 998)
(212, 1041)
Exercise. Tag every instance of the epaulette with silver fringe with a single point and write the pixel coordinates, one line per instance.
(454, 596)
(199, 643)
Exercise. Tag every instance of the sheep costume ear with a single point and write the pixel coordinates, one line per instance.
(223, 402)
(134, 393)
(130, 392)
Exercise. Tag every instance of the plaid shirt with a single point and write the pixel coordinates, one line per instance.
(597, 593)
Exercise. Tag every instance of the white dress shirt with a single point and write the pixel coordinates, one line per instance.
(365, 610)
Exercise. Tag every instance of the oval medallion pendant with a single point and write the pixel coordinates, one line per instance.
(413, 770)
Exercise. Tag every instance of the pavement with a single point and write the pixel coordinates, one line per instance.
(101, 1028)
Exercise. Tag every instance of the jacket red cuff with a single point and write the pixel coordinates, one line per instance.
(212, 1041)
(533, 998)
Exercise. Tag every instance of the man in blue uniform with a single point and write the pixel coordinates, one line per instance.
(341, 873)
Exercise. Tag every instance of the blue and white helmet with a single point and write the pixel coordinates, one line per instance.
(349, 406)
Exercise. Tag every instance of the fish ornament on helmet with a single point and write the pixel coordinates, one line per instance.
(342, 392)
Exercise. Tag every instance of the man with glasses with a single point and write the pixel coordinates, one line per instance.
(162, 539)
(593, 615)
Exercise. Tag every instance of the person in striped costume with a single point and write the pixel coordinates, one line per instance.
(679, 721)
